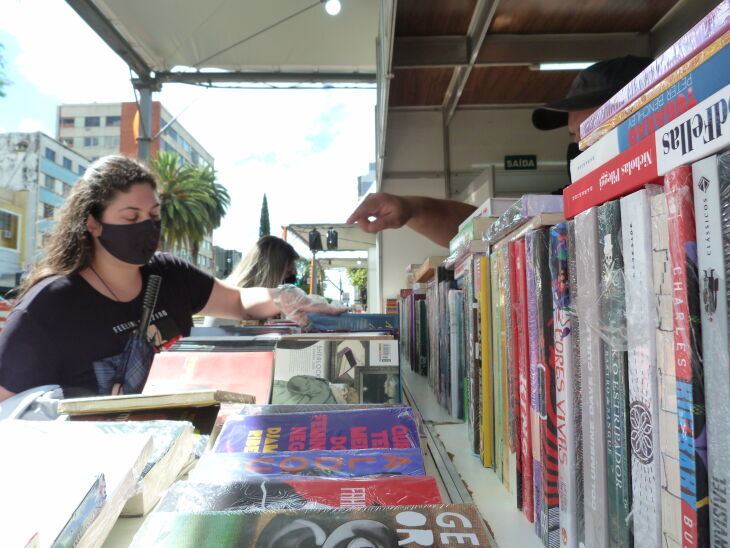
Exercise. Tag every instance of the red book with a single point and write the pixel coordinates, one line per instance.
(515, 372)
(243, 372)
(522, 366)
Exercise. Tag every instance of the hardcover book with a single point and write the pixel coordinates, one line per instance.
(592, 379)
(409, 526)
(711, 180)
(354, 322)
(671, 493)
(456, 345)
(641, 321)
(392, 428)
(293, 494)
(612, 310)
(688, 357)
(509, 469)
(497, 366)
(517, 359)
(227, 467)
(487, 365)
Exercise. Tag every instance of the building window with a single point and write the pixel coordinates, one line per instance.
(67, 141)
(50, 154)
(50, 183)
(81, 169)
(67, 163)
(9, 224)
(91, 141)
(67, 122)
(91, 121)
(47, 211)
(111, 141)
(113, 120)
(66, 190)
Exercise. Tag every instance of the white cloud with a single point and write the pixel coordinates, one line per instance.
(29, 125)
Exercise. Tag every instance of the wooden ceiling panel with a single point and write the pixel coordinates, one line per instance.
(515, 85)
(433, 17)
(419, 87)
(561, 16)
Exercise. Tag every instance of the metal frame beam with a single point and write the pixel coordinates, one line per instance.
(244, 76)
(430, 51)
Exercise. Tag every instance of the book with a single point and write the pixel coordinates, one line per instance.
(492, 207)
(227, 467)
(485, 335)
(390, 428)
(427, 270)
(336, 370)
(711, 185)
(515, 350)
(354, 322)
(242, 372)
(445, 279)
(496, 362)
(456, 346)
(242, 330)
(129, 402)
(292, 494)
(671, 493)
(472, 388)
(641, 321)
(438, 526)
(471, 230)
(528, 206)
(592, 379)
(699, 132)
(688, 357)
(226, 343)
(567, 393)
(277, 409)
(612, 311)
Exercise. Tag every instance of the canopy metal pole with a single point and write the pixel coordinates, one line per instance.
(144, 140)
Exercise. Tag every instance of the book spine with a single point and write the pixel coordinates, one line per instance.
(487, 401)
(471, 399)
(671, 495)
(496, 366)
(519, 308)
(643, 382)
(603, 172)
(592, 377)
(514, 371)
(613, 324)
(570, 469)
(711, 182)
(577, 395)
(688, 357)
(546, 366)
(456, 332)
(509, 472)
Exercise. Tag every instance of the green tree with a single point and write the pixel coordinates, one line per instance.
(264, 226)
(358, 278)
(193, 203)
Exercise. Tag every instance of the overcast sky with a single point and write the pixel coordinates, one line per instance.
(305, 149)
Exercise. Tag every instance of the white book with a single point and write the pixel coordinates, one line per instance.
(592, 377)
(643, 380)
(711, 181)
(671, 508)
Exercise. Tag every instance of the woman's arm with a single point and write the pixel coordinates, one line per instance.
(5, 393)
(234, 303)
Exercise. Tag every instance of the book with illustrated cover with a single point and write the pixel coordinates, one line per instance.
(485, 334)
(340, 370)
(592, 379)
(497, 366)
(389, 428)
(509, 472)
(711, 180)
(384, 526)
(688, 357)
(445, 278)
(612, 310)
(641, 323)
(515, 341)
(567, 389)
(291, 494)
(227, 467)
(671, 493)
(456, 346)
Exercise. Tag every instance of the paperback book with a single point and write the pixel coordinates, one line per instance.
(354, 322)
(485, 335)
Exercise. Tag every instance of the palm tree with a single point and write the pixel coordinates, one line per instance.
(193, 203)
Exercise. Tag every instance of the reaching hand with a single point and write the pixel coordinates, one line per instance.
(296, 305)
(390, 211)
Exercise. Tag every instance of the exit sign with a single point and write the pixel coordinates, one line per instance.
(523, 161)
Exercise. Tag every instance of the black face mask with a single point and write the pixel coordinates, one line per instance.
(133, 244)
(573, 152)
(291, 279)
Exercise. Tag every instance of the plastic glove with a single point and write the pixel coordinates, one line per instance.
(296, 305)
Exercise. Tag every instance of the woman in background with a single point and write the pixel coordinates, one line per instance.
(270, 263)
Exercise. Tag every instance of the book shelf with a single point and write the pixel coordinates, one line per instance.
(466, 480)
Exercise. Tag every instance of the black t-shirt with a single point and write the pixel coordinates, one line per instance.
(63, 325)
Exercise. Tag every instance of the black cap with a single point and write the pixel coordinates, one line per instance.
(591, 88)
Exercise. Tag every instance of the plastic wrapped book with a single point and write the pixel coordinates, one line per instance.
(520, 212)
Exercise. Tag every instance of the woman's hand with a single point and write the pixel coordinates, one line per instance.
(296, 305)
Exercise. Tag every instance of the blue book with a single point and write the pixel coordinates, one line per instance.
(354, 322)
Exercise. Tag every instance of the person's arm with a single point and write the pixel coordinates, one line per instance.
(436, 219)
(5, 393)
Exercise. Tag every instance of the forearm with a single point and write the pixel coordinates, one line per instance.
(257, 303)
(436, 219)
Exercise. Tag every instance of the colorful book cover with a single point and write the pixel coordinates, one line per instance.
(445, 278)
(319, 371)
(550, 514)
(227, 467)
(533, 341)
(473, 383)
(291, 494)
(497, 367)
(592, 379)
(278, 409)
(509, 472)
(354, 322)
(612, 305)
(487, 393)
(456, 346)
(671, 493)
(711, 179)
(392, 428)
(567, 389)
(641, 321)
(437, 526)
(688, 357)
(517, 358)
(243, 372)
(519, 311)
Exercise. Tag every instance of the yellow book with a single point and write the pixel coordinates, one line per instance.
(485, 310)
